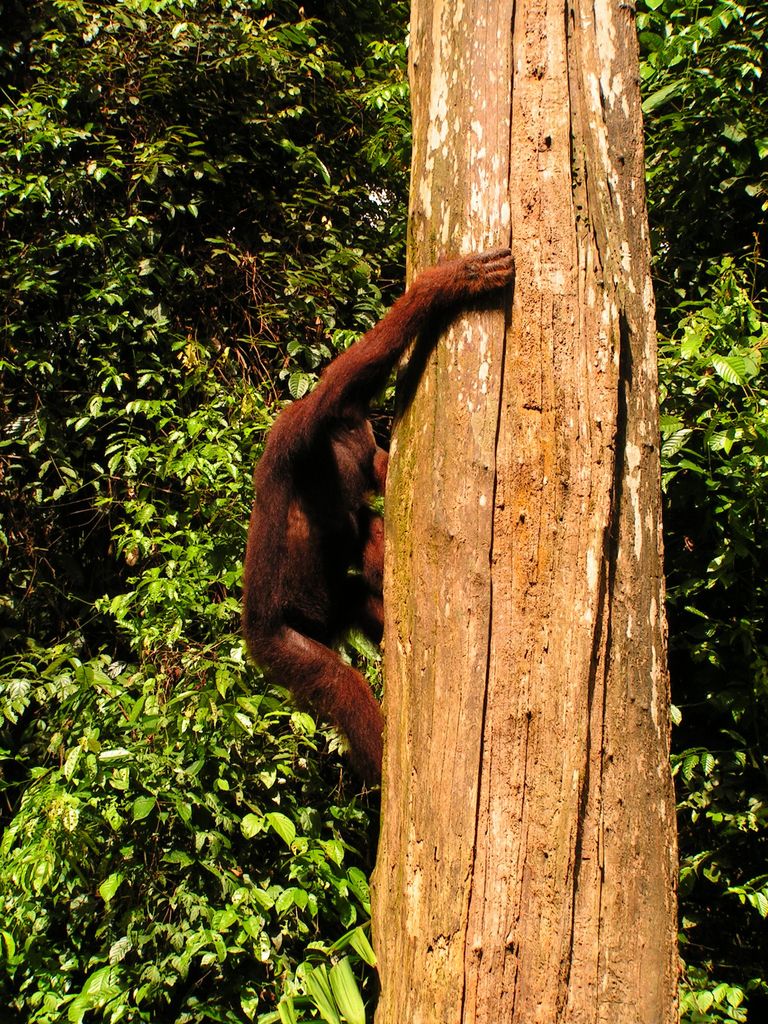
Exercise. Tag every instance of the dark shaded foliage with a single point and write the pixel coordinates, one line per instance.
(707, 150)
(197, 198)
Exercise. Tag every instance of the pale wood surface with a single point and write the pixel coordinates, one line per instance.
(527, 858)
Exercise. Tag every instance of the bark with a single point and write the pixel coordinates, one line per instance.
(527, 858)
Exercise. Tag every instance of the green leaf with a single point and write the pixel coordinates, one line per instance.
(180, 857)
(334, 850)
(71, 762)
(99, 988)
(730, 368)
(690, 764)
(358, 940)
(119, 950)
(319, 989)
(704, 1001)
(8, 944)
(669, 424)
(42, 871)
(735, 996)
(691, 344)
(303, 724)
(672, 444)
(735, 132)
(299, 384)
(346, 992)
(143, 807)
(291, 897)
(114, 753)
(661, 96)
(251, 825)
(284, 827)
(110, 885)
(287, 1011)
(360, 642)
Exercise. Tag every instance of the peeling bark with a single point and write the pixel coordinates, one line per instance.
(527, 859)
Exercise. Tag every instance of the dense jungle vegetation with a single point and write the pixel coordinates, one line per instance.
(201, 201)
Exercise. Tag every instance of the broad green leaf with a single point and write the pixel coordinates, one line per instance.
(704, 1001)
(735, 996)
(661, 96)
(360, 642)
(690, 764)
(114, 753)
(110, 885)
(250, 1006)
(299, 384)
(71, 762)
(284, 827)
(673, 443)
(119, 950)
(251, 825)
(691, 343)
(334, 850)
(759, 900)
(143, 807)
(719, 992)
(179, 857)
(670, 424)
(291, 897)
(730, 368)
(42, 871)
(8, 944)
(707, 763)
(303, 723)
(735, 132)
(99, 987)
(224, 919)
(220, 947)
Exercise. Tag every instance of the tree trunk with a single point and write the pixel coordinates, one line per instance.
(527, 859)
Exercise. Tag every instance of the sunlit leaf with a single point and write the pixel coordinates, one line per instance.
(346, 992)
(110, 885)
(143, 807)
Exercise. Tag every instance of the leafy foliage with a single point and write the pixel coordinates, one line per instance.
(196, 199)
(706, 113)
(707, 144)
(715, 433)
(171, 850)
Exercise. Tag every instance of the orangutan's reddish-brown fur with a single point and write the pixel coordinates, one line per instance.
(315, 556)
